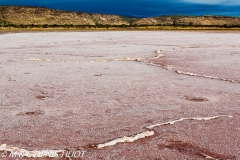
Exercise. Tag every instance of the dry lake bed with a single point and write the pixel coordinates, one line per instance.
(124, 95)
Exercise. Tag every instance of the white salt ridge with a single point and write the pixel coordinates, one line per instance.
(127, 139)
(15, 151)
(151, 132)
(209, 157)
(129, 59)
(137, 60)
(50, 60)
(78, 61)
(211, 77)
(191, 118)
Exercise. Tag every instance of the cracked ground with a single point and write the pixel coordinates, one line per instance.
(75, 90)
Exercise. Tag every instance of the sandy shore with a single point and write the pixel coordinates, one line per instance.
(122, 94)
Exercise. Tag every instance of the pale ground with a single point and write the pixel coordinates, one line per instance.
(69, 90)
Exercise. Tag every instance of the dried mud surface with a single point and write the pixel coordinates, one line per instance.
(77, 90)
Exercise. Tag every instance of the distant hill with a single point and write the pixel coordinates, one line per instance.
(21, 15)
(40, 16)
(191, 20)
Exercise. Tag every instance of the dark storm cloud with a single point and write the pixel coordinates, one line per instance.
(139, 8)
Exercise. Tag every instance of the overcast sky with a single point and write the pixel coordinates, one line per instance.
(139, 8)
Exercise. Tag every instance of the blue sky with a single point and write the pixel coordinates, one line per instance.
(139, 8)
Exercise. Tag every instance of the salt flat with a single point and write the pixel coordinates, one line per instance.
(76, 90)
